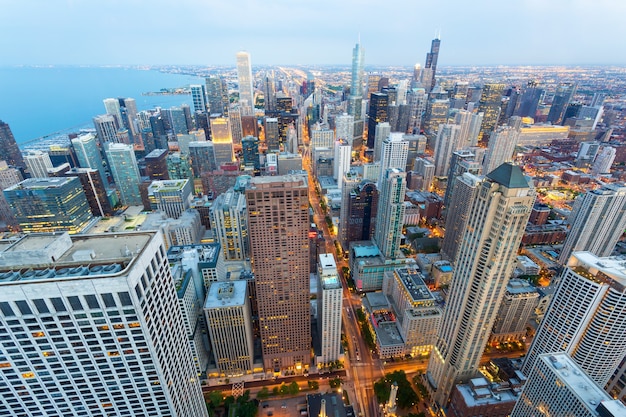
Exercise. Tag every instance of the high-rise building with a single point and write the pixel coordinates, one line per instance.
(461, 161)
(179, 166)
(344, 127)
(597, 221)
(604, 161)
(123, 166)
(394, 153)
(156, 164)
(49, 205)
(587, 316)
(518, 304)
(250, 153)
(8, 178)
(112, 107)
(361, 213)
(172, 197)
(272, 136)
(269, 93)
(416, 100)
(202, 157)
(229, 321)
(244, 79)
(466, 187)
(377, 114)
(489, 105)
(529, 101)
(249, 126)
(436, 114)
(616, 387)
(234, 121)
(278, 224)
(222, 141)
(322, 137)
(88, 154)
(350, 180)
(9, 151)
(425, 168)
(106, 128)
(501, 147)
(562, 97)
(557, 386)
(343, 156)
(383, 130)
(215, 96)
(330, 296)
(37, 163)
(355, 101)
(198, 97)
(390, 216)
(94, 189)
(92, 344)
(446, 142)
(483, 267)
(229, 221)
(431, 61)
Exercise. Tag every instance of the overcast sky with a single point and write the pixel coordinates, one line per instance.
(393, 32)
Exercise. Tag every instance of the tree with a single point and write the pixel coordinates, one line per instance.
(215, 398)
(263, 393)
(293, 388)
(314, 385)
(406, 397)
(335, 382)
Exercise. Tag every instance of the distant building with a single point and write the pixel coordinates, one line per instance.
(518, 304)
(9, 151)
(156, 164)
(330, 296)
(123, 166)
(37, 163)
(171, 197)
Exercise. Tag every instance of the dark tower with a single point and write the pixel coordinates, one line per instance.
(379, 105)
(9, 151)
(562, 97)
(431, 59)
(362, 210)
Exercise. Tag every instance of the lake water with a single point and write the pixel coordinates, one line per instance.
(37, 102)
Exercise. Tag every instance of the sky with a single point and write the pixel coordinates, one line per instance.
(275, 32)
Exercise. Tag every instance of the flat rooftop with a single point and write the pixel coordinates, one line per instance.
(613, 267)
(224, 294)
(41, 183)
(414, 284)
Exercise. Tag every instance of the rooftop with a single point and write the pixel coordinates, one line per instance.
(613, 267)
(226, 294)
(41, 183)
(509, 175)
(413, 283)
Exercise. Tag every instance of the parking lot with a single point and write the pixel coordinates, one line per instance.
(282, 407)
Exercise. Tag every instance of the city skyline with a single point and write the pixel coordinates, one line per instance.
(467, 33)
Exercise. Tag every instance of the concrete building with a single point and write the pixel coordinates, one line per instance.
(390, 215)
(37, 163)
(123, 166)
(518, 305)
(172, 197)
(229, 321)
(84, 310)
(229, 218)
(330, 306)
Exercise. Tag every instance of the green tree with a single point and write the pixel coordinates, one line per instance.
(215, 398)
(263, 393)
(314, 385)
(360, 315)
(335, 382)
(275, 390)
(293, 388)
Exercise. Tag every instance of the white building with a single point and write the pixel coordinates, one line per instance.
(244, 79)
(394, 153)
(604, 161)
(557, 386)
(518, 304)
(342, 158)
(229, 320)
(38, 163)
(587, 316)
(330, 300)
(229, 220)
(83, 320)
(172, 197)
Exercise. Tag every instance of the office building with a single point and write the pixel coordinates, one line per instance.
(37, 163)
(557, 386)
(278, 224)
(250, 153)
(94, 189)
(322, 136)
(123, 166)
(383, 130)
(604, 161)
(245, 80)
(234, 121)
(229, 321)
(462, 161)
(529, 101)
(587, 316)
(518, 304)
(361, 213)
(597, 222)
(272, 136)
(330, 296)
(350, 180)
(344, 127)
(112, 107)
(229, 220)
(92, 343)
(222, 141)
(49, 205)
(342, 159)
(156, 164)
(436, 114)
(446, 142)
(616, 387)
(216, 95)
(172, 197)
(501, 208)
(390, 216)
(179, 166)
(202, 156)
(379, 104)
(431, 62)
(106, 129)
(8, 178)
(425, 170)
(88, 154)
(394, 153)
(562, 97)
(416, 100)
(249, 126)
(356, 85)
(9, 151)
(198, 98)
(501, 147)
(489, 105)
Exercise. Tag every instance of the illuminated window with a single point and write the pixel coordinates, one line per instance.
(28, 375)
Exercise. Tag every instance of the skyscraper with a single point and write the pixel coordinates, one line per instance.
(272, 137)
(88, 154)
(350, 180)
(446, 142)
(356, 92)
(394, 153)
(501, 147)
(92, 344)
(94, 190)
(604, 161)
(461, 161)
(343, 153)
(172, 197)
(486, 258)
(517, 306)
(383, 130)
(597, 221)
(222, 141)
(9, 151)
(37, 163)
(390, 216)
(198, 97)
(106, 129)
(361, 212)
(344, 127)
(557, 386)
(215, 96)
(330, 296)
(489, 105)
(112, 107)
(123, 166)
(229, 220)
(416, 100)
(562, 97)
(244, 79)
(431, 62)
(49, 205)
(377, 114)
(202, 157)
(250, 153)
(529, 101)
(278, 223)
(587, 317)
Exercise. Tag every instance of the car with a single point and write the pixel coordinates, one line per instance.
(270, 413)
(265, 405)
(284, 405)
